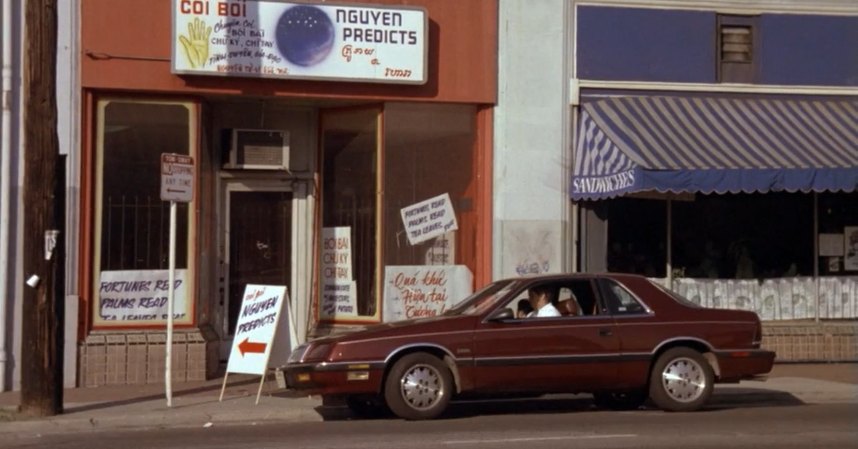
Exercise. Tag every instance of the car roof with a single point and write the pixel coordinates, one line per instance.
(565, 276)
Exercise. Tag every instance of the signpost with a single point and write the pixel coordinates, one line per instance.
(256, 336)
(177, 185)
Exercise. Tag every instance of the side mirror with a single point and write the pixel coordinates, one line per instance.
(502, 314)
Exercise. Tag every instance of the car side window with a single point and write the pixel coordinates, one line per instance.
(621, 301)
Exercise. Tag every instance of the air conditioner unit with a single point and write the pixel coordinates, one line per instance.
(258, 149)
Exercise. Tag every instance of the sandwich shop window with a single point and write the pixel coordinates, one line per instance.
(378, 164)
(131, 234)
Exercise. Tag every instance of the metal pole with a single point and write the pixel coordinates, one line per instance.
(816, 250)
(669, 244)
(170, 293)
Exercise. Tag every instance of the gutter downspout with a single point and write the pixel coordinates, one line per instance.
(5, 182)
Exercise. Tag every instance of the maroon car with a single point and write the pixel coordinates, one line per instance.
(620, 337)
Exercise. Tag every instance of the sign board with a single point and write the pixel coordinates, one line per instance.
(131, 298)
(259, 318)
(418, 291)
(429, 219)
(177, 177)
(339, 290)
(274, 39)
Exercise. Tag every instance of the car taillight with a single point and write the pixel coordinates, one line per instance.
(758, 335)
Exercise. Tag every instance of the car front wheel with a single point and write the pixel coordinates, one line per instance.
(418, 386)
(681, 380)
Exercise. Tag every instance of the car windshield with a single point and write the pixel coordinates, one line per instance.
(482, 299)
(677, 297)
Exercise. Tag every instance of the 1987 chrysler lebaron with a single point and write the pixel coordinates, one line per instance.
(620, 337)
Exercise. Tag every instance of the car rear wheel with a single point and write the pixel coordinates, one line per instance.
(681, 380)
(418, 386)
(626, 400)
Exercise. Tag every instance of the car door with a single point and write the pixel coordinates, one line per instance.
(566, 353)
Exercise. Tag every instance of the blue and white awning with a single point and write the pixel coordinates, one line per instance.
(714, 145)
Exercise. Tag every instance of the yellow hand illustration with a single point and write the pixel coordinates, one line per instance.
(196, 44)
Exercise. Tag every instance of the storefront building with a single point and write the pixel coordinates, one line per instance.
(710, 146)
(339, 149)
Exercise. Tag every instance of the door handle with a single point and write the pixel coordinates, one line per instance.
(605, 332)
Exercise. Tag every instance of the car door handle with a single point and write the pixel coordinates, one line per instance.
(605, 332)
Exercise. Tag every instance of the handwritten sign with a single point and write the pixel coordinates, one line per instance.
(416, 291)
(258, 322)
(429, 219)
(443, 250)
(274, 39)
(139, 298)
(339, 293)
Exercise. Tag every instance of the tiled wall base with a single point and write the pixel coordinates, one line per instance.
(138, 358)
(812, 342)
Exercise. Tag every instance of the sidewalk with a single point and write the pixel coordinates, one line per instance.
(197, 405)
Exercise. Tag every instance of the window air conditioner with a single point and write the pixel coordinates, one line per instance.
(257, 149)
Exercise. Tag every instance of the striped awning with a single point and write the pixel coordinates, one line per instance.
(629, 144)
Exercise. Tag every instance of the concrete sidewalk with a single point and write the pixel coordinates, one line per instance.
(197, 405)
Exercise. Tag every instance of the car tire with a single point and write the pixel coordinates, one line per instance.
(418, 386)
(681, 380)
(366, 406)
(626, 400)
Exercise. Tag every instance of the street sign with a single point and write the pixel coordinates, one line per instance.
(177, 177)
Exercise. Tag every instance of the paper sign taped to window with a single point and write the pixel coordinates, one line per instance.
(429, 219)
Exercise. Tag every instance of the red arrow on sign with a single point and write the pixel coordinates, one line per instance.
(246, 346)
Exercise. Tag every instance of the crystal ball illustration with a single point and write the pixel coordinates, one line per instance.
(305, 35)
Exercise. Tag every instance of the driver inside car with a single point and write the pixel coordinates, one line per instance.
(540, 299)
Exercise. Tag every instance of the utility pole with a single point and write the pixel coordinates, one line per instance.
(42, 317)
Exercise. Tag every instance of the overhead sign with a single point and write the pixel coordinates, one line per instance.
(177, 177)
(429, 219)
(273, 39)
(256, 329)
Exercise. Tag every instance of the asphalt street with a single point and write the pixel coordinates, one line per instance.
(534, 424)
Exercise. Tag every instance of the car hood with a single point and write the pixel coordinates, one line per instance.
(409, 327)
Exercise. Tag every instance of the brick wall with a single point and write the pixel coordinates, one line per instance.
(139, 358)
(812, 341)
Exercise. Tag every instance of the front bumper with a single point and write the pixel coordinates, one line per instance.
(334, 378)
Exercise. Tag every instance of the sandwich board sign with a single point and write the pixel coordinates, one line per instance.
(261, 330)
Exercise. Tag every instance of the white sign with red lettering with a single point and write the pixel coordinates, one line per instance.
(177, 177)
(339, 290)
(422, 291)
(256, 332)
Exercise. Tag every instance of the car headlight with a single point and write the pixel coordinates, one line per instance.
(298, 353)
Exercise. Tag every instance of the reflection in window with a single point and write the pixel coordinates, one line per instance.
(134, 222)
(350, 143)
(429, 151)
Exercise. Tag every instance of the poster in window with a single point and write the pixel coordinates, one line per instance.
(131, 298)
(339, 290)
(830, 245)
(850, 253)
(423, 291)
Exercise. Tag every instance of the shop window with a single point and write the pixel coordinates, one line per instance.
(637, 234)
(743, 236)
(350, 276)
(429, 207)
(402, 207)
(838, 234)
(131, 235)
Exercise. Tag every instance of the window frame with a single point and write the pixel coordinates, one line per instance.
(96, 173)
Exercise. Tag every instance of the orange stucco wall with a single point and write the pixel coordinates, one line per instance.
(126, 46)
